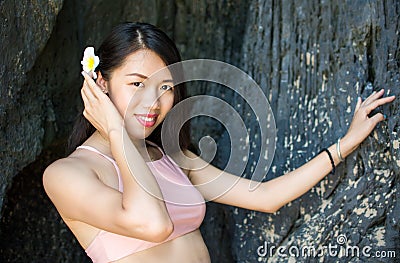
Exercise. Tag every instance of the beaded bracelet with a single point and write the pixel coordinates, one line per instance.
(330, 158)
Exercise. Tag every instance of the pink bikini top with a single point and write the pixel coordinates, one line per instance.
(184, 203)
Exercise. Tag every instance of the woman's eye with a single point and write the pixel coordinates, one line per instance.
(138, 84)
(166, 87)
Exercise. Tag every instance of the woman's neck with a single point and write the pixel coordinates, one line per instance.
(103, 144)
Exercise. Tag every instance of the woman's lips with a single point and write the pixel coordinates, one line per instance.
(147, 120)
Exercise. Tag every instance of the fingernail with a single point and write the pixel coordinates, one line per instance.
(384, 116)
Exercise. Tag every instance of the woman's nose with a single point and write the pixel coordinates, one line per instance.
(151, 99)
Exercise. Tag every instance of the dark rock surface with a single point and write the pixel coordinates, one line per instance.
(21, 132)
(317, 58)
(311, 58)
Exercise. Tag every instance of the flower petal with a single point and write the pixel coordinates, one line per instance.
(89, 51)
(96, 62)
(90, 61)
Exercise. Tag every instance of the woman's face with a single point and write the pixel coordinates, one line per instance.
(142, 99)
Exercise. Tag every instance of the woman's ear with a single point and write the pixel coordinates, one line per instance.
(102, 83)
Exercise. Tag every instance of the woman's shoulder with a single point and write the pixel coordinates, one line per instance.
(70, 163)
(71, 170)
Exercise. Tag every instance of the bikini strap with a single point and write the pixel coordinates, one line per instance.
(92, 149)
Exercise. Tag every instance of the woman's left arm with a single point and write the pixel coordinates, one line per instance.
(226, 188)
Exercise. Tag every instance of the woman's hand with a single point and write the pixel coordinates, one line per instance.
(99, 110)
(362, 125)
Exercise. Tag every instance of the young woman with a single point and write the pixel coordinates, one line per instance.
(110, 190)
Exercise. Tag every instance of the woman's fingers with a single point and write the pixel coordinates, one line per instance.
(366, 101)
(374, 101)
(86, 101)
(362, 125)
(92, 86)
(375, 95)
(378, 102)
(377, 118)
(87, 92)
(358, 104)
(99, 109)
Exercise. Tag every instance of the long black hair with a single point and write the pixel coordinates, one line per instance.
(123, 40)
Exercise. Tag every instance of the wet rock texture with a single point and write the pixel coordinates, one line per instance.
(311, 59)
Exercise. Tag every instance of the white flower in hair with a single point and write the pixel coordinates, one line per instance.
(90, 61)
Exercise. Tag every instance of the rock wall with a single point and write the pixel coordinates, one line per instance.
(21, 133)
(311, 58)
(314, 58)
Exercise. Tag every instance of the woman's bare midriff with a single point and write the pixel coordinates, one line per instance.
(188, 248)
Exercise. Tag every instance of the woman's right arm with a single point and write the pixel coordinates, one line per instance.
(78, 193)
